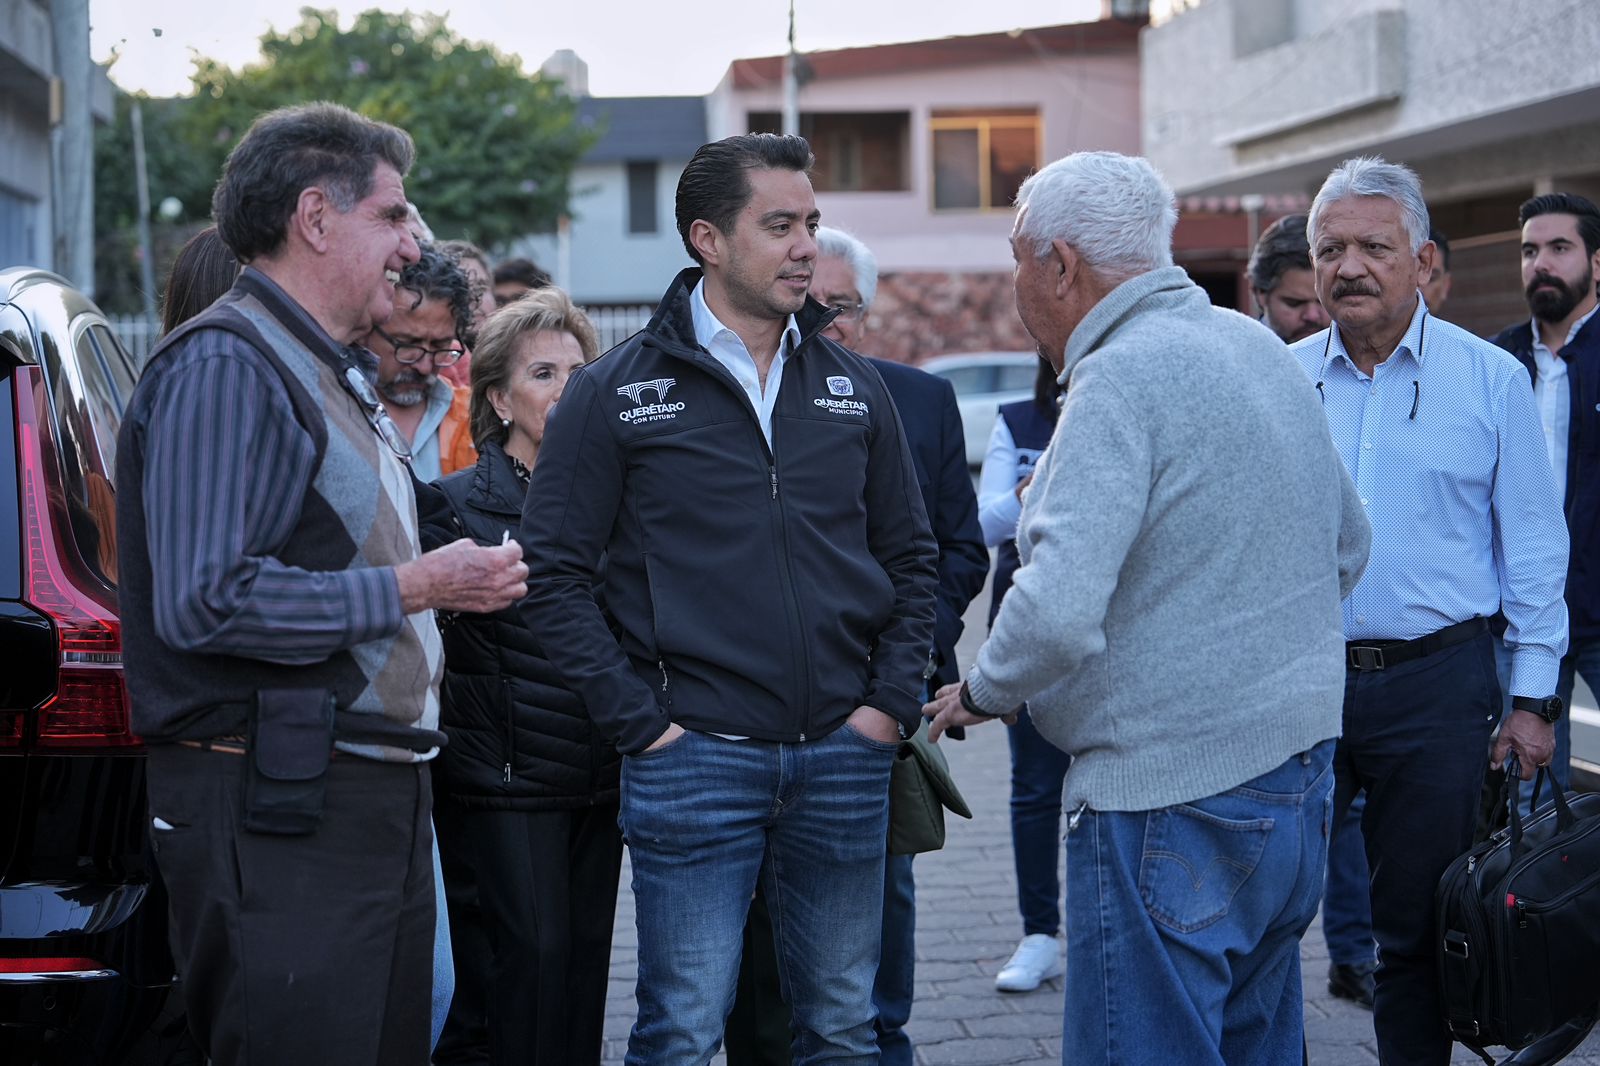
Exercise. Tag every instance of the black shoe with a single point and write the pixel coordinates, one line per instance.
(1354, 983)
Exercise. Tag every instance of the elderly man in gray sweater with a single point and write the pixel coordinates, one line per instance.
(1175, 626)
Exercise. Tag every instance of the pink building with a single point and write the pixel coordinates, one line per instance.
(920, 148)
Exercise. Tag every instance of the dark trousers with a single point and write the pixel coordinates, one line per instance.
(465, 1040)
(1416, 739)
(547, 883)
(1038, 768)
(309, 950)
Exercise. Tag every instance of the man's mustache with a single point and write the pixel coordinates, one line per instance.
(1546, 280)
(1352, 288)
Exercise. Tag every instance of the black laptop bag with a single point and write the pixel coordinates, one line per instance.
(1519, 924)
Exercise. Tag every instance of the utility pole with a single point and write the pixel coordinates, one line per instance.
(72, 145)
(141, 179)
(791, 83)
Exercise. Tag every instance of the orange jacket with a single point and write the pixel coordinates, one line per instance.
(456, 451)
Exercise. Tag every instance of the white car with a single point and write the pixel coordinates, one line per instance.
(983, 381)
(1585, 738)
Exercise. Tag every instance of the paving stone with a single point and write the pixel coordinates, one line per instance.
(986, 1051)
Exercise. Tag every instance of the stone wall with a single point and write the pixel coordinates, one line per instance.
(918, 315)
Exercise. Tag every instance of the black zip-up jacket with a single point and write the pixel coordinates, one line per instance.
(1583, 460)
(519, 738)
(760, 592)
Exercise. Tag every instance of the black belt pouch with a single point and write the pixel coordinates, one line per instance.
(286, 764)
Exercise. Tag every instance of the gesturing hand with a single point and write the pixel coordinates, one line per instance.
(945, 712)
(462, 576)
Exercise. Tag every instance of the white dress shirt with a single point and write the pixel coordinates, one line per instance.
(1553, 396)
(726, 348)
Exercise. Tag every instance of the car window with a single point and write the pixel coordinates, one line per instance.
(969, 380)
(116, 360)
(1016, 378)
(88, 415)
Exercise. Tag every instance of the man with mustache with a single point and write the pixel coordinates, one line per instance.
(1439, 431)
(770, 577)
(1286, 295)
(1560, 347)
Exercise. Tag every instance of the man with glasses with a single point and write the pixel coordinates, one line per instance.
(433, 311)
(277, 612)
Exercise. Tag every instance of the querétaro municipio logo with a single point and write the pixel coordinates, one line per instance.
(841, 386)
(649, 412)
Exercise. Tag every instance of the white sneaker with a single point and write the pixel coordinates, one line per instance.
(1037, 958)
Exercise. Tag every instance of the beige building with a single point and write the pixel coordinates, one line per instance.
(920, 147)
(1490, 101)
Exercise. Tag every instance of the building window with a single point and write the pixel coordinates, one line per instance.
(642, 197)
(866, 151)
(980, 157)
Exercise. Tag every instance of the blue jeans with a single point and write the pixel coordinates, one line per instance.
(1347, 900)
(704, 817)
(1037, 769)
(897, 967)
(1583, 657)
(1183, 937)
(444, 970)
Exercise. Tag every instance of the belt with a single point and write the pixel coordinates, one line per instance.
(1364, 655)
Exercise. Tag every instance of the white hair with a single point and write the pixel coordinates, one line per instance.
(1116, 211)
(1369, 175)
(838, 244)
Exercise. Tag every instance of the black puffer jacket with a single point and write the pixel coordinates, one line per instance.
(519, 739)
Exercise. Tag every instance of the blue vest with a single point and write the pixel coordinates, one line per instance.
(1030, 428)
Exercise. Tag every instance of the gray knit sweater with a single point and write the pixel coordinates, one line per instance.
(1187, 539)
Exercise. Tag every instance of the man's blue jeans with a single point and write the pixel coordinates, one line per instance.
(1183, 932)
(704, 817)
(1037, 769)
(1583, 657)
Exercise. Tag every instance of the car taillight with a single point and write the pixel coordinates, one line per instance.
(90, 707)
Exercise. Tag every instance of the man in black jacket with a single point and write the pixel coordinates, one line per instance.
(845, 280)
(1560, 346)
(770, 571)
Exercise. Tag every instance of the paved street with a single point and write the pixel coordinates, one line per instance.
(967, 926)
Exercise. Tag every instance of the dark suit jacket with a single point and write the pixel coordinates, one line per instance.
(932, 420)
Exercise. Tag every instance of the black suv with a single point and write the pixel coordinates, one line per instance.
(85, 974)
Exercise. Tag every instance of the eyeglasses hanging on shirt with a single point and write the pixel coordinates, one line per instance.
(356, 384)
(1416, 384)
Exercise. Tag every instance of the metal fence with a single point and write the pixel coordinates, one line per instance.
(137, 334)
(614, 325)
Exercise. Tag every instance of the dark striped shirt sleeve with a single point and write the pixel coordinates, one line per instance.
(227, 469)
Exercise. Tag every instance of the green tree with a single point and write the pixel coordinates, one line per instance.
(495, 146)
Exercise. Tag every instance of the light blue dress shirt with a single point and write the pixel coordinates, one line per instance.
(726, 348)
(1448, 456)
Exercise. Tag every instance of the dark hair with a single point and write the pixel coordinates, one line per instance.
(437, 275)
(1443, 244)
(293, 149)
(494, 356)
(1566, 203)
(715, 186)
(521, 272)
(203, 271)
(1282, 247)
